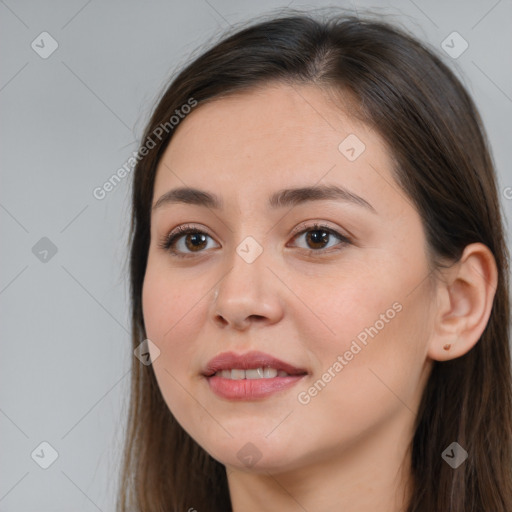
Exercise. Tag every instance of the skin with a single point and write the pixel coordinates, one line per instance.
(347, 448)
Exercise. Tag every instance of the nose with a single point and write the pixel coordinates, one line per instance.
(248, 294)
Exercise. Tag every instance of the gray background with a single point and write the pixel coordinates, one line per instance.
(68, 123)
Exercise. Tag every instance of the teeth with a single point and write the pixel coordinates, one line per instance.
(237, 374)
(253, 373)
(268, 373)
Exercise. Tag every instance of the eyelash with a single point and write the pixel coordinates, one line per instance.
(168, 241)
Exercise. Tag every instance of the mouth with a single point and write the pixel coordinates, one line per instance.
(250, 376)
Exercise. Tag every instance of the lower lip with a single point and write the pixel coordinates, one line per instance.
(249, 389)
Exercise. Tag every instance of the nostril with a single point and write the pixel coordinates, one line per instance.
(222, 320)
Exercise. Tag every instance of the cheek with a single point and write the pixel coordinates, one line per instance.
(174, 315)
(164, 302)
(375, 379)
(349, 308)
(393, 360)
(169, 318)
(378, 327)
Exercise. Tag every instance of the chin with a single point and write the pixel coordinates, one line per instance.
(254, 454)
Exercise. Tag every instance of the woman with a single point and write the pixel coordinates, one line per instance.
(319, 275)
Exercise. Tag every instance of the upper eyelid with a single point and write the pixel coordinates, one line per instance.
(181, 230)
(316, 225)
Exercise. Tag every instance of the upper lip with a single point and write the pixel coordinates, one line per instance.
(254, 359)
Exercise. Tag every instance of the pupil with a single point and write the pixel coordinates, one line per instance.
(197, 237)
(313, 236)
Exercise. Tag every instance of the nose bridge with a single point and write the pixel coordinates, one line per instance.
(247, 268)
(248, 289)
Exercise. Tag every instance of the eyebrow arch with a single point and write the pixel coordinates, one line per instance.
(280, 199)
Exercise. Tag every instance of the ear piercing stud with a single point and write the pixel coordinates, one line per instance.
(447, 346)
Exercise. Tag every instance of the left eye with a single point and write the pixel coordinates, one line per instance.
(318, 237)
(186, 240)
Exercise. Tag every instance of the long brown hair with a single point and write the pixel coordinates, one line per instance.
(442, 163)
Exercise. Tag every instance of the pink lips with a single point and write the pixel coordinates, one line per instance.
(248, 389)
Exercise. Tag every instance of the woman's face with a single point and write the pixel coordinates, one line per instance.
(346, 304)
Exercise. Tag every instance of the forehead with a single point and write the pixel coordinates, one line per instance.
(269, 138)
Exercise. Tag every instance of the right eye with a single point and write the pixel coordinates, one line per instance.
(183, 239)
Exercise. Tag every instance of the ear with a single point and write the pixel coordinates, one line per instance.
(464, 302)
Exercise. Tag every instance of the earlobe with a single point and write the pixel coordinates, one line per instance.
(444, 352)
(465, 299)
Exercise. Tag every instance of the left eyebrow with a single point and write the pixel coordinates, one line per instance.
(280, 199)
